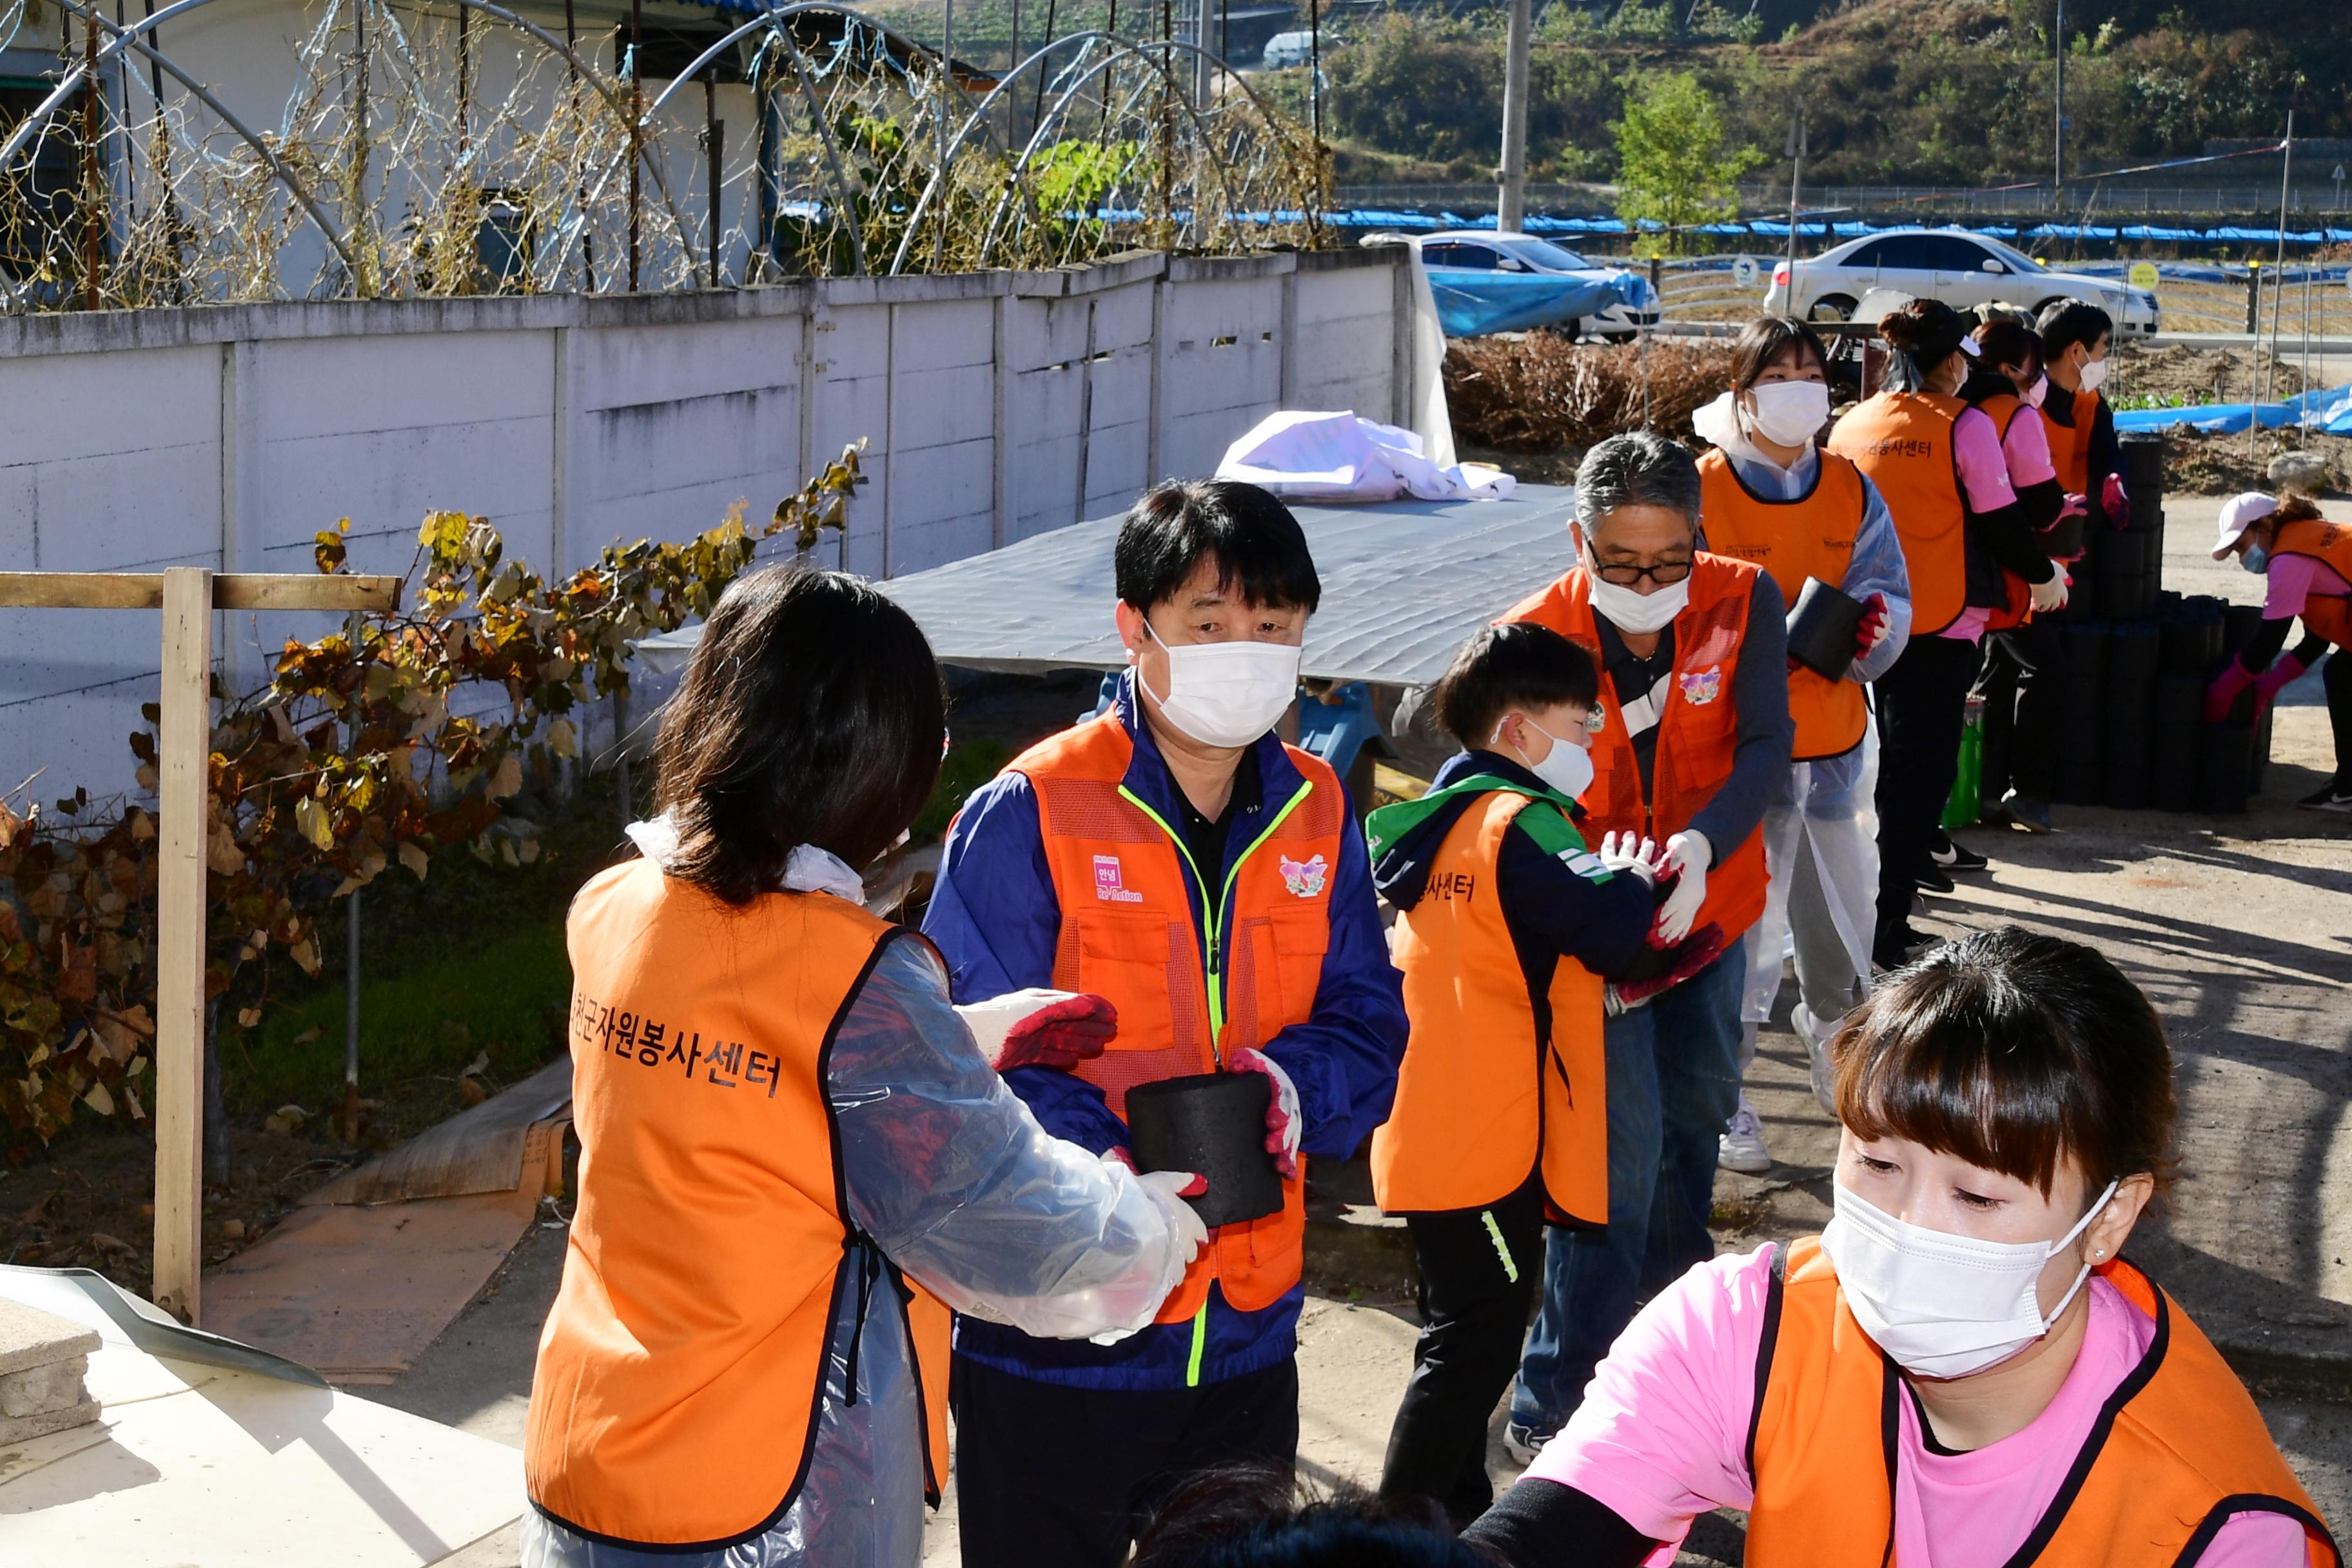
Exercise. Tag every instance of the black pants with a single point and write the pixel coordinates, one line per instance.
(1480, 1270)
(1047, 1474)
(1922, 700)
(2336, 674)
(2025, 672)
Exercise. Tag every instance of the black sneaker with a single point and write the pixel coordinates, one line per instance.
(1895, 948)
(2330, 796)
(1934, 881)
(1951, 856)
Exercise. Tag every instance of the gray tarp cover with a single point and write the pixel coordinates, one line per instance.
(1403, 585)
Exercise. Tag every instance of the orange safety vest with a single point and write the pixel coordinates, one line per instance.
(1127, 934)
(2017, 607)
(2326, 615)
(2182, 1451)
(682, 1366)
(1698, 732)
(2070, 445)
(1810, 536)
(1486, 1093)
(1903, 442)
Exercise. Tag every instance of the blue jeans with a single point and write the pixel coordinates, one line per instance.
(1672, 1081)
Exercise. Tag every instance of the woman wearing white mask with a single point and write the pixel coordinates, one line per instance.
(1961, 1370)
(1174, 856)
(1512, 916)
(1771, 495)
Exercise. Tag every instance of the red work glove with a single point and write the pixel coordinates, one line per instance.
(1871, 630)
(2267, 687)
(1283, 1128)
(1041, 1029)
(2118, 504)
(2225, 689)
(1662, 969)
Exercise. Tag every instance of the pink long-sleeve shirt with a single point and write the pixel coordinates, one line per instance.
(1662, 1435)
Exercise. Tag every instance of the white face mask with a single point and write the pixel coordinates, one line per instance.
(1567, 768)
(1789, 412)
(2039, 391)
(1941, 1305)
(2095, 374)
(1225, 693)
(1630, 610)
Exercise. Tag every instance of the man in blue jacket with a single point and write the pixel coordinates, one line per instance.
(1178, 858)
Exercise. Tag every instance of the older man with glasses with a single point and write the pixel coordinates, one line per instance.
(1695, 737)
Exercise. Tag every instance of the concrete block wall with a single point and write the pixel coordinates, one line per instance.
(995, 406)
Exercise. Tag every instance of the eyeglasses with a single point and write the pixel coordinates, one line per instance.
(1666, 573)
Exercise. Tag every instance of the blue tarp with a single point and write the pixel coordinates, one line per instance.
(1472, 302)
(2330, 413)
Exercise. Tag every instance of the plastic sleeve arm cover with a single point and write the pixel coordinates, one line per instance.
(1876, 567)
(1759, 756)
(953, 1178)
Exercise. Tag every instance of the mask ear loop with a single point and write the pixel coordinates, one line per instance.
(2082, 1274)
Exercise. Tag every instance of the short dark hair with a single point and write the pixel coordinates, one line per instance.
(2070, 321)
(2005, 340)
(1516, 665)
(1640, 468)
(1765, 341)
(1256, 1517)
(1257, 547)
(812, 713)
(2013, 1050)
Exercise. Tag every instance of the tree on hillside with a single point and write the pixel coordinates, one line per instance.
(1673, 168)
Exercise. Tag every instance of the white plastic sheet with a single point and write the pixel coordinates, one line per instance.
(1343, 457)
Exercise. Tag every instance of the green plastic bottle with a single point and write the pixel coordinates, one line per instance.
(1962, 809)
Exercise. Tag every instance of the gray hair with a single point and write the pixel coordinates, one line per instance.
(1640, 468)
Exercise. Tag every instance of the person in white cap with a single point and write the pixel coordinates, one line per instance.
(2306, 562)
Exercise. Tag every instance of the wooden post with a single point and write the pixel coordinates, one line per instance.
(183, 798)
(187, 596)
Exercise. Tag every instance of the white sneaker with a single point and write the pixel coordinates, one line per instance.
(1523, 1443)
(1742, 1147)
(1816, 1037)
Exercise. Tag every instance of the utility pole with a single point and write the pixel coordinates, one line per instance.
(2278, 275)
(2058, 127)
(1205, 22)
(1511, 200)
(1796, 176)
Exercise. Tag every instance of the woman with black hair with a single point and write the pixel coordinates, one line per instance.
(2023, 667)
(1938, 463)
(1960, 1369)
(1771, 495)
(794, 1157)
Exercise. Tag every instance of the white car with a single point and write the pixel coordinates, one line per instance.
(1489, 251)
(1286, 50)
(1959, 268)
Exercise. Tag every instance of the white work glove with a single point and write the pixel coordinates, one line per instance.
(1689, 855)
(1634, 857)
(1283, 1127)
(2050, 595)
(1037, 1027)
(1167, 1190)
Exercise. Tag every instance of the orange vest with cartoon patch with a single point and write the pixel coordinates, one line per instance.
(683, 1365)
(1484, 1097)
(2180, 1451)
(1127, 934)
(2326, 615)
(1698, 730)
(1811, 536)
(1903, 442)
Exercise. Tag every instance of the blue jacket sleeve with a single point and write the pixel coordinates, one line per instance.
(1876, 567)
(1343, 1059)
(994, 919)
(994, 916)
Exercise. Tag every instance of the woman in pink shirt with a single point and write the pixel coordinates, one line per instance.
(1959, 1371)
(2303, 561)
